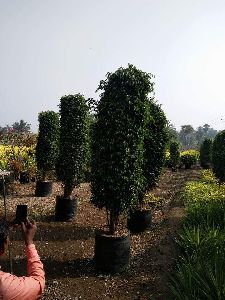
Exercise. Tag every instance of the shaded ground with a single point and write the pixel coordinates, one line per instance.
(67, 249)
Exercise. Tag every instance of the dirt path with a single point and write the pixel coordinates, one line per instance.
(67, 248)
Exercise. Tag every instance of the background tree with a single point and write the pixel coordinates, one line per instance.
(187, 136)
(21, 127)
(117, 149)
(218, 156)
(173, 134)
(204, 132)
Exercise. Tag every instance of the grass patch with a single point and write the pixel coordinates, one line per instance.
(200, 272)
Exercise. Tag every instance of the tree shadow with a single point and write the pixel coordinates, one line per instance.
(58, 232)
(55, 269)
(156, 262)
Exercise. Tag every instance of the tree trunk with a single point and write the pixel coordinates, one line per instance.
(67, 191)
(113, 221)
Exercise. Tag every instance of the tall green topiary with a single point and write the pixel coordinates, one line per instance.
(73, 141)
(174, 154)
(155, 141)
(47, 148)
(118, 143)
(206, 153)
(218, 156)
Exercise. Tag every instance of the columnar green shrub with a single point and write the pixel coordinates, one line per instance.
(218, 156)
(47, 142)
(118, 143)
(73, 141)
(206, 153)
(155, 141)
(174, 154)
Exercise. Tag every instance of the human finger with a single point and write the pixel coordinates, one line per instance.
(23, 226)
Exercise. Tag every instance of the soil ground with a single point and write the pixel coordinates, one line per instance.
(67, 248)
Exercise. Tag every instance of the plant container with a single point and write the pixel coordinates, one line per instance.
(112, 253)
(139, 220)
(24, 177)
(65, 208)
(43, 188)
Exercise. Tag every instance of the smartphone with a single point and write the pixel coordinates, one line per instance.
(21, 213)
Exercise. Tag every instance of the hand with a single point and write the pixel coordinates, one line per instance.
(28, 229)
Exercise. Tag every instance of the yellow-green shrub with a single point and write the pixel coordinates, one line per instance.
(18, 159)
(189, 158)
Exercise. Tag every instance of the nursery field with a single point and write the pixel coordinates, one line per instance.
(66, 249)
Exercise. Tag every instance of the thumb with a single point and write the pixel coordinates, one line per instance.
(23, 226)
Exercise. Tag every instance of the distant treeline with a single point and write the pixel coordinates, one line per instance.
(16, 127)
(190, 138)
(17, 134)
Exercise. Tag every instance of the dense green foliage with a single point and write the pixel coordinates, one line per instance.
(118, 143)
(73, 142)
(200, 272)
(189, 158)
(155, 141)
(47, 148)
(206, 154)
(174, 154)
(218, 156)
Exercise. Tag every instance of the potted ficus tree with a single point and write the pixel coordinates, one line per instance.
(46, 151)
(174, 155)
(155, 141)
(72, 152)
(218, 156)
(117, 158)
(206, 153)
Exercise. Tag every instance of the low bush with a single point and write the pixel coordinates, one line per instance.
(18, 159)
(189, 158)
(167, 159)
(200, 272)
(205, 204)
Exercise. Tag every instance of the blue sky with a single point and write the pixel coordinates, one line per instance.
(50, 48)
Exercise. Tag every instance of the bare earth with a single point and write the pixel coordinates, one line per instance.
(67, 249)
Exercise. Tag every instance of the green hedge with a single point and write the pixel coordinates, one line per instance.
(218, 156)
(200, 271)
(47, 148)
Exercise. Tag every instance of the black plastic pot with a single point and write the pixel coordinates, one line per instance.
(65, 209)
(8, 181)
(24, 177)
(139, 220)
(43, 188)
(188, 166)
(112, 253)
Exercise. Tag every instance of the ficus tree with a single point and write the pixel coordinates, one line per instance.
(206, 153)
(218, 156)
(155, 141)
(47, 148)
(174, 154)
(73, 141)
(118, 143)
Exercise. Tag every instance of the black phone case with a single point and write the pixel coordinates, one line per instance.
(21, 214)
